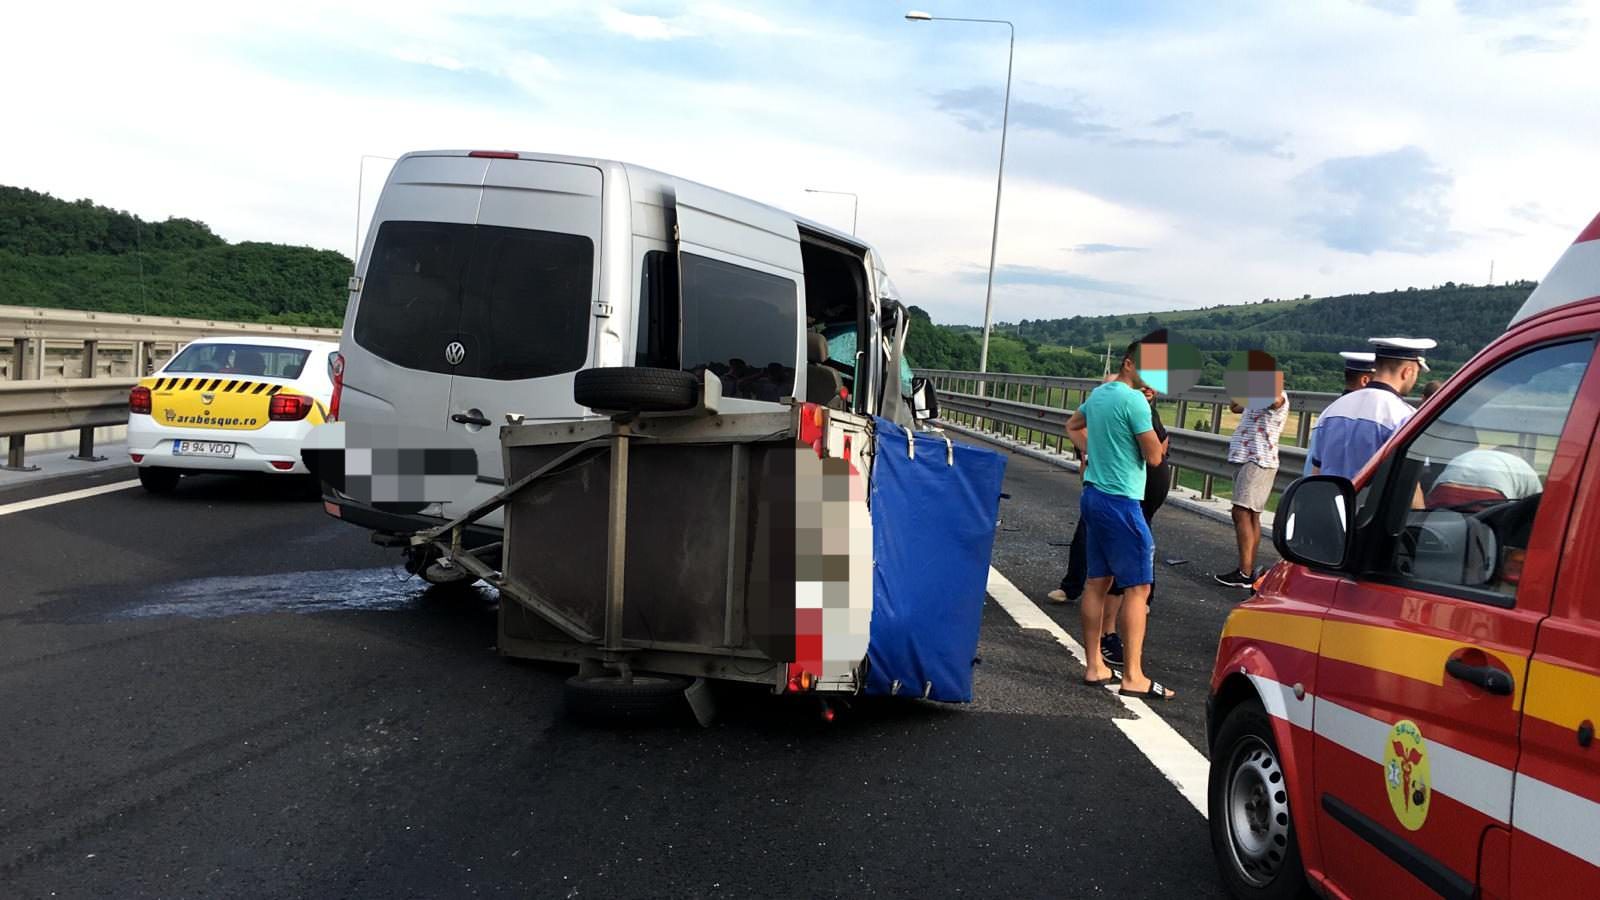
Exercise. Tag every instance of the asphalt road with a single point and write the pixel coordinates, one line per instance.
(226, 693)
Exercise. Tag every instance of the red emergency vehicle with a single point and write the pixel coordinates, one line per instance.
(1407, 706)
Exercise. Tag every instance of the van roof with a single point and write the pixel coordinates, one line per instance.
(637, 172)
(1575, 277)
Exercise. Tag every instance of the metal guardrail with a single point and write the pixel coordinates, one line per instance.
(34, 405)
(37, 407)
(1201, 451)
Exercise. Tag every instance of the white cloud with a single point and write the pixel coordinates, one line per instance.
(1183, 138)
(642, 27)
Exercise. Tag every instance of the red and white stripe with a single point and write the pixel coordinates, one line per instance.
(1558, 817)
(1576, 276)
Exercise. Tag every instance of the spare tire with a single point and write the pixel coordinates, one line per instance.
(635, 389)
(609, 700)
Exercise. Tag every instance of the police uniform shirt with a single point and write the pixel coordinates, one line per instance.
(1354, 426)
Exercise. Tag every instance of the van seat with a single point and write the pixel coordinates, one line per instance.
(823, 382)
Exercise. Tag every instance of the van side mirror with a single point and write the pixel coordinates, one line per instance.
(924, 400)
(1312, 525)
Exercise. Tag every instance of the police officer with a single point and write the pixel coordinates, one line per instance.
(1354, 426)
(1357, 372)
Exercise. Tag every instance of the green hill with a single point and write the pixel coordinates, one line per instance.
(76, 255)
(1304, 334)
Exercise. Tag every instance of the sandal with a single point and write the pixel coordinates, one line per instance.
(1155, 692)
(1100, 682)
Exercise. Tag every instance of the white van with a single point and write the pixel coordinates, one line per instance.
(490, 278)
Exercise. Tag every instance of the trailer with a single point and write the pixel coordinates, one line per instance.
(804, 549)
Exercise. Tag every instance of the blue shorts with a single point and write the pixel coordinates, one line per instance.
(1117, 538)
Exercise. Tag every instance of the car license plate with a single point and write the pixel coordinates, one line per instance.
(204, 448)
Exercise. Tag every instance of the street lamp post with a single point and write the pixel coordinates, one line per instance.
(999, 181)
(855, 204)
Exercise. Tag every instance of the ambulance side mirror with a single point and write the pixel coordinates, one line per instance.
(1312, 526)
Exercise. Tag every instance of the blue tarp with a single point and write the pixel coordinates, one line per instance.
(933, 524)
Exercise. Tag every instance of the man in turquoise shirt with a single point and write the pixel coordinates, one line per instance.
(1115, 436)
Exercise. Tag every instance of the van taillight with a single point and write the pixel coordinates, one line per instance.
(139, 400)
(289, 407)
(493, 154)
(335, 372)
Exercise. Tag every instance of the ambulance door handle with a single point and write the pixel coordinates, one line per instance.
(466, 419)
(1487, 677)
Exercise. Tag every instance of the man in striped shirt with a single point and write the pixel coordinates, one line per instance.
(1254, 448)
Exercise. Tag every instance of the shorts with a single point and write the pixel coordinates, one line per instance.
(1252, 485)
(1117, 540)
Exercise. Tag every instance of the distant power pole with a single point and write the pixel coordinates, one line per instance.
(1491, 273)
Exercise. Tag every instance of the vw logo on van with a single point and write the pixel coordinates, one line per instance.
(455, 352)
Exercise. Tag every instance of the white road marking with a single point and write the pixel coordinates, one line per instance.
(52, 499)
(1174, 757)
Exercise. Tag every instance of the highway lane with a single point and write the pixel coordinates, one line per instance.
(227, 692)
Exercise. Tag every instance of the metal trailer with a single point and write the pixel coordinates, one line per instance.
(665, 543)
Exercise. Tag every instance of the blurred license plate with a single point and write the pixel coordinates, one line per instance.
(204, 448)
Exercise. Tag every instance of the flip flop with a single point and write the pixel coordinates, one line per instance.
(1102, 682)
(1156, 692)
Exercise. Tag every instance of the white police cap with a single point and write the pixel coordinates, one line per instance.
(1358, 362)
(1403, 348)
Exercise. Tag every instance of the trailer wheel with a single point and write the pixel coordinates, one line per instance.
(635, 389)
(608, 700)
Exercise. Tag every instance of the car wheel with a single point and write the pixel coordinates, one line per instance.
(635, 389)
(159, 481)
(1252, 831)
(608, 699)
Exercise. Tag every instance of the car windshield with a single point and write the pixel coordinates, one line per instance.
(239, 359)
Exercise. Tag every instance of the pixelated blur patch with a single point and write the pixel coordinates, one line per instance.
(1167, 366)
(1253, 379)
(386, 465)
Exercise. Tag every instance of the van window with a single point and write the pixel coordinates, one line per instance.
(742, 325)
(658, 311)
(1464, 494)
(516, 299)
(525, 304)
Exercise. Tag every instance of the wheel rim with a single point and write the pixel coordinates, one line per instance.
(1257, 812)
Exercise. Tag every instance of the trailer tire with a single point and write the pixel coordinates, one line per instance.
(635, 389)
(608, 700)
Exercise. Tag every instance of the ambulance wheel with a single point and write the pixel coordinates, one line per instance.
(1252, 832)
(635, 389)
(159, 481)
(608, 700)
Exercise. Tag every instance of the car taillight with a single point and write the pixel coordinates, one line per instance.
(289, 407)
(139, 400)
(335, 372)
(493, 154)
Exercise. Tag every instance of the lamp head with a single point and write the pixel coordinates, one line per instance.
(917, 15)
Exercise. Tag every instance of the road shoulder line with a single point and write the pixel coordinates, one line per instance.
(53, 499)
(1174, 757)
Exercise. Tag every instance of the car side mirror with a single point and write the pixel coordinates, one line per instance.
(1312, 525)
(924, 399)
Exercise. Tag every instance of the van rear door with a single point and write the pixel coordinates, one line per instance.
(527, 298)
(476, 301)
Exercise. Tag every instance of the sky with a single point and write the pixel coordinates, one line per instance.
(1158, 156)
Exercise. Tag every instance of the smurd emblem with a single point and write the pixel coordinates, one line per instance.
(1406, 774)
(455, 352)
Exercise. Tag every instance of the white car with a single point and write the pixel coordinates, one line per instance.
(236, 404)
